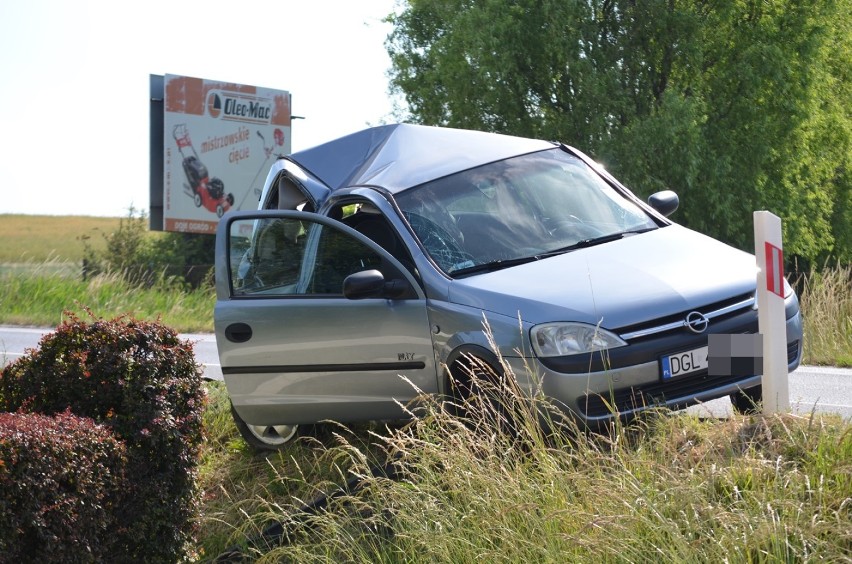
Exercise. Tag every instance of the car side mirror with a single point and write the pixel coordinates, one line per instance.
(372, 284)
(665, 202)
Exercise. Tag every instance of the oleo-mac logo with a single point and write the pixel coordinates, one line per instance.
(239, 107)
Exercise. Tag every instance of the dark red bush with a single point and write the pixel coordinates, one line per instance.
(140, 380)
(61, 479)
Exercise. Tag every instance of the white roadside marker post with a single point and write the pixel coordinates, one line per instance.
(770, 298)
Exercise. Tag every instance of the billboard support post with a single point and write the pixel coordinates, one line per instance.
(155, 190)
(769, 255)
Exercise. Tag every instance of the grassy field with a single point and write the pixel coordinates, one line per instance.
(40, 297)
(29, 239)
(41, 274)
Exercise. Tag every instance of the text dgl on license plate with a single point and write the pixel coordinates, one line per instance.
(685, 362)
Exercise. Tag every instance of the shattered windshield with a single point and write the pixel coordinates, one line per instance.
(517, 210)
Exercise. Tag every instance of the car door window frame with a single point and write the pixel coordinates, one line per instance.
(311, 245)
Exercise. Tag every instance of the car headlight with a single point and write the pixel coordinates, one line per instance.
(788, 290)
(563, 339)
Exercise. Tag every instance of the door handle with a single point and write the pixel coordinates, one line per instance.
(238, 332)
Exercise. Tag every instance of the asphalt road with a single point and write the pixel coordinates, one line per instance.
(15, 340)
(812, 388)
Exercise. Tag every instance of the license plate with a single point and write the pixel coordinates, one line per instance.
(686, 362)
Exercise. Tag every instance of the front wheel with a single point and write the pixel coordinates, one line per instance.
(480, 393)
(264, 437)
(748, 401)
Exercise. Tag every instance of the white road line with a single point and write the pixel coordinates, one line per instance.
(823, 405)
(32, 330)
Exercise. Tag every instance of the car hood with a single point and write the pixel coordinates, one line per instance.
(633, 280)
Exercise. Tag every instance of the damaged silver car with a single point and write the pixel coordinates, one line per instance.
(374, 259)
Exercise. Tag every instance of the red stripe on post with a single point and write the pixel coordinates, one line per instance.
(774, 269)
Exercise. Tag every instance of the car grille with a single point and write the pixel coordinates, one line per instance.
(683, 390)
(716, 311)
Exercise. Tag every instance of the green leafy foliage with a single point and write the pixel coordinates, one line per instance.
(61, 484)
(142, 382)
(738, 105)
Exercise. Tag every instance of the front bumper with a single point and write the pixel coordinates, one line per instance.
(606, 390)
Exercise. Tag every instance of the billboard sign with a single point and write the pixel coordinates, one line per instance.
(219, 141)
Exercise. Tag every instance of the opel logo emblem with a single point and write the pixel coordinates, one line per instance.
(696, 322)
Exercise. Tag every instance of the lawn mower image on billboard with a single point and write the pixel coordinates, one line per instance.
(205, 191)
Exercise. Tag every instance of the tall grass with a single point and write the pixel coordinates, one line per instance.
(826, 303)
(670, 488)
(40, 296)
(245, 491)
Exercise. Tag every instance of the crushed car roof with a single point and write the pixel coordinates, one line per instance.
(400, 156)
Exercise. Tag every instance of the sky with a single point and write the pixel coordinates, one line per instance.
(74, 96)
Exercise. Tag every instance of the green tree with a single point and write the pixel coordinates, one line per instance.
(737, 104)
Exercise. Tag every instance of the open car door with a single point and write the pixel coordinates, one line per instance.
(294, 347)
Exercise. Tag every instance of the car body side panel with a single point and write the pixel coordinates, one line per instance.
(456, 326)
(308, 357)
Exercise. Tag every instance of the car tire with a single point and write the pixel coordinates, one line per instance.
(477, 391)
(747, 401)
(264, 437)
(197, 199)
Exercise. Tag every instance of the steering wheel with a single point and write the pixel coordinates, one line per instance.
(572, 227)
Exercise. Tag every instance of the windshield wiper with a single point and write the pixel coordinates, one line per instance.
(499, 264)
(595, 241)
(493, 265)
